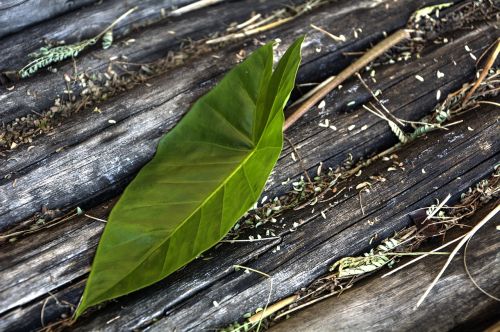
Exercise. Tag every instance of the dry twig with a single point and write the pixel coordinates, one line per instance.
(359, 64)
(484, 73)
(457, 248)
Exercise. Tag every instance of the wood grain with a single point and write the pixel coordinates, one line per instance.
(91, 144)
(46, 271)
(39, 92)
(306, 253)
(81, 24)
(13, 12)
(388, 304)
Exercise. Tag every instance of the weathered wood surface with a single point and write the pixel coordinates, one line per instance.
(56, 261)
(81, 24)
(304, 254)
(85, 162)
(388, 304)
(18, 14)
(39, 92)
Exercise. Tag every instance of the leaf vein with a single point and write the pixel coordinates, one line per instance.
(231, 125)
(219, 145)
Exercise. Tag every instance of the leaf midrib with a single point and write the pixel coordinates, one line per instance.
(221, 185)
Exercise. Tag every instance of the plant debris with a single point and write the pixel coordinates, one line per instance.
(48, 55)
(258, 23)
(95, 88)
(437, 220)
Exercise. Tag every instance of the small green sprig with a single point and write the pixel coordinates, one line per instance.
(48, 55)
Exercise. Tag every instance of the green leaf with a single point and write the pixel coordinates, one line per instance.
(207, 172)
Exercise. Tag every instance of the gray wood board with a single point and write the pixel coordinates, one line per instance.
(18, 14)
(39, 92)
(98, 157)
(60, 257)
(56, 260)
(306, 253)
(389, 304)
(81, 24)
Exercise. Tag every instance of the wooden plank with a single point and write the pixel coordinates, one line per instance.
(388, 304)
(18, 14)
(142, 307)
(92, 144)
(334, 110)
(39, 92)
(25, 262)
(306, 252)
(81, 24)
(57, 260)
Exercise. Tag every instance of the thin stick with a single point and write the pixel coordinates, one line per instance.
(272, 309)
(470, 275)
(42, 313)
(489, 103)
(421, 257)
(457, 248)
(436, 210)
(266, 20)
(403, 138)
(251, 32)
(248, 22)
(361, 202)
(486, 69)
(313, 91)
(311, 302)
(332, 36)
(194, 6)
(359, 64)
(95, 218)
(252, 240)
(53, 223)
(258, 318)
(115, 22)
(413, 253)
(378, 100)
(372, 159)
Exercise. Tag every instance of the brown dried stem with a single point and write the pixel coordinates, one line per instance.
(359, 64)
(484, 73)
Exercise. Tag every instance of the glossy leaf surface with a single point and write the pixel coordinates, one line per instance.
(207, 172)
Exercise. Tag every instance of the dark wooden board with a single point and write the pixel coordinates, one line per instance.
(81, 24)
(389, 304)
(39, 92)
(92, 144)
(18, 14)
(27, 258)
(306, 253)
(99, 158)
